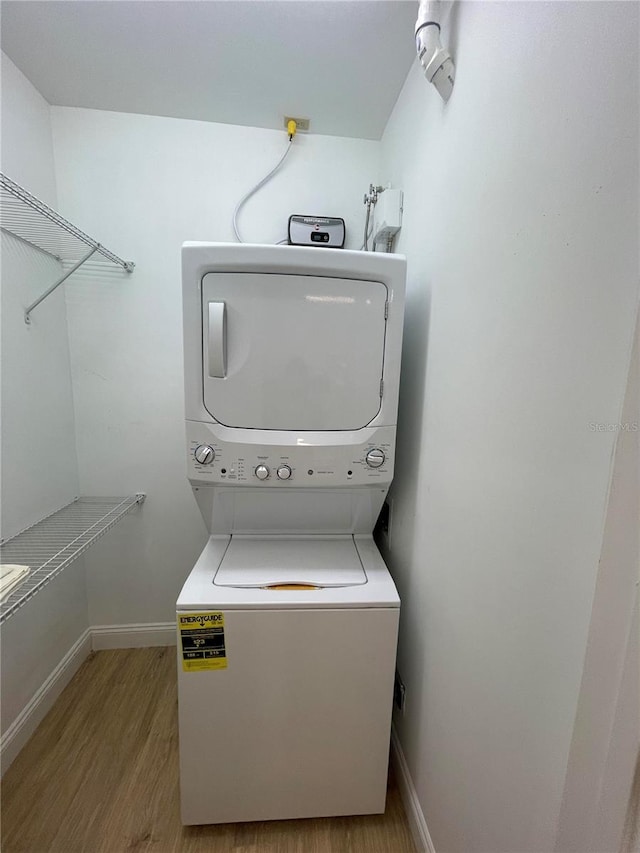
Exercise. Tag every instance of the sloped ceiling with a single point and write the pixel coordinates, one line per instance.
(341, 63)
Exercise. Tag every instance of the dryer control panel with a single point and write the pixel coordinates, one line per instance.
(211, 460)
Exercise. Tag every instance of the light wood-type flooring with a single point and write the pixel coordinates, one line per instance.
(631, 838)
(100, 775)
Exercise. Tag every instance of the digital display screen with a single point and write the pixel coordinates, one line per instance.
(320, 236)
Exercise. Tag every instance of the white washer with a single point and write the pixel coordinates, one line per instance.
(297, 724)
(287, 625)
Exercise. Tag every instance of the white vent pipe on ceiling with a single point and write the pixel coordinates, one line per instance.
(436, 60)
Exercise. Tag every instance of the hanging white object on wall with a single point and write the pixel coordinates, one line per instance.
(435, 59)
(387, 215)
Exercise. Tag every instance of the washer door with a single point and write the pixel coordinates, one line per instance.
(276, 562)
(292, 352)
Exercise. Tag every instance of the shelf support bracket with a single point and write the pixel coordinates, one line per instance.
(57, 284)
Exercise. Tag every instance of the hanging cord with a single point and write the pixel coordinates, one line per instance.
(367, 234)
(370, 200)
(260, 184)
(365, 242)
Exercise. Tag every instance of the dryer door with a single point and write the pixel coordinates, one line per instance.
(288, 352)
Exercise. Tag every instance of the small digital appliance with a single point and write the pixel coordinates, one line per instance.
(327, 231)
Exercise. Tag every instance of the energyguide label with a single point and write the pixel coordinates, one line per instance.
(202, 641)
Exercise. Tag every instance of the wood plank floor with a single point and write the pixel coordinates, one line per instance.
(631, 837)
(100, 775)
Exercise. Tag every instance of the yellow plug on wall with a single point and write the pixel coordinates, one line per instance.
(291, 128)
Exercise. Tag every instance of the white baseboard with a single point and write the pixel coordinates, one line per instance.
(415, 816)
(42, 701)
(94, 638)
(134, 636)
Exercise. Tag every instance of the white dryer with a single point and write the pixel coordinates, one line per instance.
(287, 625)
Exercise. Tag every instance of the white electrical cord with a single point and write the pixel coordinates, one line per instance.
(255, 189)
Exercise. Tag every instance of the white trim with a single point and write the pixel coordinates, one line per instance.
(94, 638)
(134, 636)
(42, 700)
(412, 807)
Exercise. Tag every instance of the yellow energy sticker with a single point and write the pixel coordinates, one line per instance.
(202, 641)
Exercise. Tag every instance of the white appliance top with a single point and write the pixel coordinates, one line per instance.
(256, 561)
(201, 593)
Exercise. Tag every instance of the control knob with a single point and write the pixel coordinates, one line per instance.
(284, 472)
(204, 454)
(375, 458)
(261, 472)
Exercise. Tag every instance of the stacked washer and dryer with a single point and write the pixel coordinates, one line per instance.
(287, 624)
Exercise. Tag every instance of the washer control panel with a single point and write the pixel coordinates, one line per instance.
(300, 464)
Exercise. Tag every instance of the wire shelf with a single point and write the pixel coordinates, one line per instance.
(52, 544)
(32, 221)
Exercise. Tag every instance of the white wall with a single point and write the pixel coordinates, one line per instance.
(27, 147)
(521, 233)
(39, 465)
(43, 644)
(607, 731)
(143, 185)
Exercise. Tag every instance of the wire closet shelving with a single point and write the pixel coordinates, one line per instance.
(50, 545)
(32, 221)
